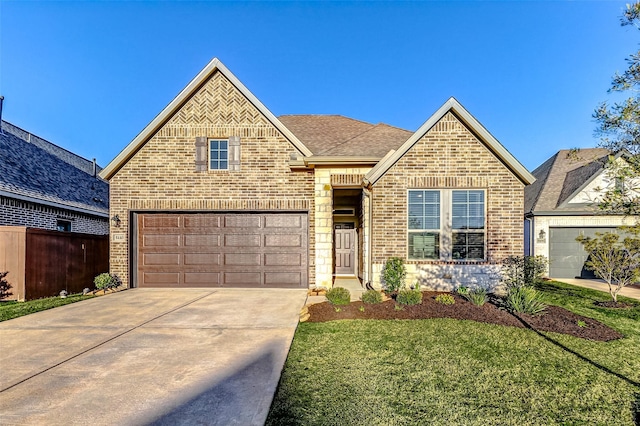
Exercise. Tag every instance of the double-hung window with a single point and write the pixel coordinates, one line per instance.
(218, 154)
(446, 224)
(424, 224)
(467, 224)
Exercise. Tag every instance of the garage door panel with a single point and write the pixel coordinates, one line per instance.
(200, 221)
(160, 221)
(242, 221)
(242, 259)
(151, 240)
(222, 249)
(250, 279)
(283, 259)
(201, 258)
(199, 240)
(162, 278)
(283, 221)
(283, 240)
(242, 240)
(204, 279)
(273, 278)
(161, 259)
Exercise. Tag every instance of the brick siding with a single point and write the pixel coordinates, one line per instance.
(23, 213)
(162, 176)
(449, 155)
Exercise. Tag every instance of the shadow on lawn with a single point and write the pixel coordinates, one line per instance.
(635, 408)
(582, 357)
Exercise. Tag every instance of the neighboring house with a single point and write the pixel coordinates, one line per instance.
(47, 187)
(562, 204)
(217, 191)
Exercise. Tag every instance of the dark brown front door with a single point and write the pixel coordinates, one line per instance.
(222, 250)
(344, 247)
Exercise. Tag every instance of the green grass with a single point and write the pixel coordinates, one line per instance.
(13, 309)
(445, 371)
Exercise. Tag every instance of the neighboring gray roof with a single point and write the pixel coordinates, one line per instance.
(34, 169)
(339, 136)
(558, 178)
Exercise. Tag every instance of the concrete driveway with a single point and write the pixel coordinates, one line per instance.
(149, 356)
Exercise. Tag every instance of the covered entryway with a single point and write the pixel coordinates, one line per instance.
(566, 255)
(222, 250)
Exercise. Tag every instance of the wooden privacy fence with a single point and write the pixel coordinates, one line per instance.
(41, 263)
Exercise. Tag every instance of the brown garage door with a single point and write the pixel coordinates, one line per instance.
(222, 250)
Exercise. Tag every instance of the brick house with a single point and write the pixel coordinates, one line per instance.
(45, 186)
(217, 191)
(561, 205)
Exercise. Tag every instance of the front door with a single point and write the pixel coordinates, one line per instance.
(344, 248)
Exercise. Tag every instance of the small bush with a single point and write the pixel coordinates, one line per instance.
(518, 271)
(525, 300)
(477, 296)
(107, 281)
(393, 274)
(445, 299)
(339, 296)
(4, 286)
(462, 290)
(409, 297)
(371, 297)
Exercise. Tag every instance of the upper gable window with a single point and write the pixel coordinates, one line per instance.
(218, 154)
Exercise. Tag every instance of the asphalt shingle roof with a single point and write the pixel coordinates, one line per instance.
(560, 176)
(339, 136)
(33, 167)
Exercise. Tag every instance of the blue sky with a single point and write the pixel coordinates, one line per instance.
(89, 76)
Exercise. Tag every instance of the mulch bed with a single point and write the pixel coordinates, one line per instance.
(554, 319)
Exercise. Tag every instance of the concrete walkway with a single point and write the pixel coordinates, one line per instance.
(629, 291)
(139, 357)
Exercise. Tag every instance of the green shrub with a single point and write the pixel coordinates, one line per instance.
(462, 290)
(339, 296)
(4, 286)
(445, 299)
(107, 281)
(409, 297)
(393, 274)
(477, 296)
(371, 297)
(518, 271)
(525, 300)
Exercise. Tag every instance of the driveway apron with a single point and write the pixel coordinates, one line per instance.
(149, 356)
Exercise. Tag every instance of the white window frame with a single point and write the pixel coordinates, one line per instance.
(218, 160)
(446, 230)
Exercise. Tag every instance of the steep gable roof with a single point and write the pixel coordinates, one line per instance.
(214, 66)
(468, 120)
(338, 136)
(561, 176)
(33, 169)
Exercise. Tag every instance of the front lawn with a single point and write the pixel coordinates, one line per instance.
(13, 309)
(443, 371)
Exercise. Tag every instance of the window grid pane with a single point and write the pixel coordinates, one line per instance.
(218, 154)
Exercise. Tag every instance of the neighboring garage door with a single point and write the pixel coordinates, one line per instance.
(566, 255)
(222, 250)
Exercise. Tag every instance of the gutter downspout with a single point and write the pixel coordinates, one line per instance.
(1, 102)
(367, 193)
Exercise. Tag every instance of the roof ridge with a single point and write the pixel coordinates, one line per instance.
(392, 126)
(543, 179)
(373, 126)
(19, 132)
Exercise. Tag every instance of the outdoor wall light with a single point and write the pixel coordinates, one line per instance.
(542, 234)
(116, 221)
